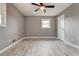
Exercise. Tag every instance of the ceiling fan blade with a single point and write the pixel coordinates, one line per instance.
(50, 6)
(44, 11)
(37, 9)
(35, 4)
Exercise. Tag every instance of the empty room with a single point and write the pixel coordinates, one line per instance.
(39, 29)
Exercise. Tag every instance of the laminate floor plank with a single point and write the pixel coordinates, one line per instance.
(41, 47)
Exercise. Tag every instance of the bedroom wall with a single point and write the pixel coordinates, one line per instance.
(71, 21)
(33, 27)
(14, 29)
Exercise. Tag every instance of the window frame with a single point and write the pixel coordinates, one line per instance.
(48, 24)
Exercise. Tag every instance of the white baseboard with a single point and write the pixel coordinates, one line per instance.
(5, 49)
(75, 46)
(72, 44)
(39, 37)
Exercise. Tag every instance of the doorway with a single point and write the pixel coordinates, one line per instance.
(60, 27)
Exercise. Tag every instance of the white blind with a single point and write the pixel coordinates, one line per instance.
(45, 23)
(0, 19)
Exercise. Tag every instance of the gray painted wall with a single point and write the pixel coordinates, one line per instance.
(33, 27)
(15, 27)
(72, 24)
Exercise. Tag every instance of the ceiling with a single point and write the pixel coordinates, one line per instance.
(27, 9)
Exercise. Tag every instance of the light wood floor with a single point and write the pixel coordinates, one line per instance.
(41, 47)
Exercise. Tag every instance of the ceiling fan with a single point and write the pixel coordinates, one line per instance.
(42, 6)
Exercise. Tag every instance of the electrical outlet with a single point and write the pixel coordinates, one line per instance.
(14, 41)
(9, 41)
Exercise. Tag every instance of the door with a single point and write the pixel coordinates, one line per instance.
(60, 27)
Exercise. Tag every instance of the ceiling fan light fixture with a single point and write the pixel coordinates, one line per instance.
(42, 8)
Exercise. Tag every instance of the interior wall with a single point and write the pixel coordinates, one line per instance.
(71, 25)
(33, 27)
(14, 29)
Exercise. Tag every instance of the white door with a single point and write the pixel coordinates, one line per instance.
(60, 27)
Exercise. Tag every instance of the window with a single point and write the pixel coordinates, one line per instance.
(0, 19)
(2, 14)
(45, 23)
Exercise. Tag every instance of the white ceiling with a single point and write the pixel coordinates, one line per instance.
(28, 10)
